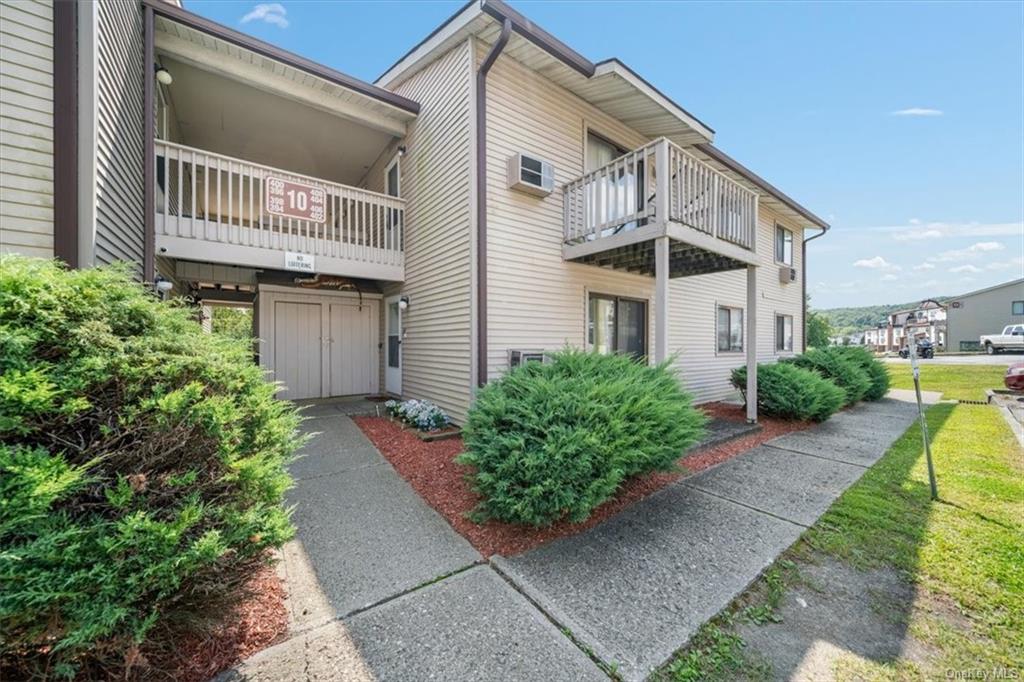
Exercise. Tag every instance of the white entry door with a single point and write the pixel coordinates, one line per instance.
(298, 349)
(352, 340)
(393, 357)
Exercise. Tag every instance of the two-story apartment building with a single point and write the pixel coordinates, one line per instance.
(492, 196)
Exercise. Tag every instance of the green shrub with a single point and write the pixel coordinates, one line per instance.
(790, 392)
(142, 470)
(875, 369)
(832, 364)
(554, 440)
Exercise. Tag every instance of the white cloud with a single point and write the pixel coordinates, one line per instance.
(973, 251)
(917, 230)
(917, 111)
(924, 266)
(889, 278)
(876, 263)
(930, 284)
(268, 12)
(917, 235)
(966, 268)
(1006, 264)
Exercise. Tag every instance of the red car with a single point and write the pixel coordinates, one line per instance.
(1014, 379)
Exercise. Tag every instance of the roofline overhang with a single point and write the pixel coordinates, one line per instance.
(500, 11)
(616, 65)
(538, 36)
(737, 167)
(291, 59)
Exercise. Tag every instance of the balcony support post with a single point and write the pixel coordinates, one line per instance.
(751, 344)
(661, 276)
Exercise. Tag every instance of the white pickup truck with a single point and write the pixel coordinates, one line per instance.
(1012, 338)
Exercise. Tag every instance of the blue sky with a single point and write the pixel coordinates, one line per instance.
(900, 124)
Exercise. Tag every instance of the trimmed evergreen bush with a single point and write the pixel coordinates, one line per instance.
(790, 392)
(554, 440)
(875, 368)
(142, 470)
(833, 365)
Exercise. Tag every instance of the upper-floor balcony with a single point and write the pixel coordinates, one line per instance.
(212, 207)
(260, 157)
(614, 214)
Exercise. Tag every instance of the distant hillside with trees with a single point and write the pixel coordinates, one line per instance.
(848, 320)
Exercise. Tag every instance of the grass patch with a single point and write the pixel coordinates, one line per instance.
(964, 555)
(956, 382)
(968, 547)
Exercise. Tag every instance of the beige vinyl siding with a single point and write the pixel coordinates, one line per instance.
(26, 127)
(536, 300)
(694, 305)
(120, 221)
(435, 176)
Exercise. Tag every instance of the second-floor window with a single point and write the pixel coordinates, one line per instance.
(783, 245)
(1017, 308)
(730, 329)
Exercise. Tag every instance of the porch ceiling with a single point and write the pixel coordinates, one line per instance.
(685, 259)
(365, 104)
(230, 117)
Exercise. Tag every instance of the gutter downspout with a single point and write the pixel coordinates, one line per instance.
(803, 281)
(481, 200)
(149, 153)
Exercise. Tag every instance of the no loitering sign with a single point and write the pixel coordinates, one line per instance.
(290, 199)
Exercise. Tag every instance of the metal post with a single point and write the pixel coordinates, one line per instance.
(751, 344)
(912, 347)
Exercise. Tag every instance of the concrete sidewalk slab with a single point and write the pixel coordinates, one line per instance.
(639, 585)
(792, 486)
(337, 445)
(369, 536)
(839, 448)
(326, 654)
(364, 531)
(470, 626)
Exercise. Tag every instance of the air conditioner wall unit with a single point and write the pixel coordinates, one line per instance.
(530, 174)
(517, 358)
(787, 274)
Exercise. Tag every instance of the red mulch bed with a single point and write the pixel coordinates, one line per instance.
(254, 624)
(430, 469)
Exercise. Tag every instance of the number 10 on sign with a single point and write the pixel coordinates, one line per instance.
(291, 199)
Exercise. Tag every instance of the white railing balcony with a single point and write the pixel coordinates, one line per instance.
(651, 189)
(211, 207)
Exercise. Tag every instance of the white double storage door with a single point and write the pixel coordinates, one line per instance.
(320, 345)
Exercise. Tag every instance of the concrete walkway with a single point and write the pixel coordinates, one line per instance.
(637, 587)
(381, 588)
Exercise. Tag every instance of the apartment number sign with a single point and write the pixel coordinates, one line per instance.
(291, 199)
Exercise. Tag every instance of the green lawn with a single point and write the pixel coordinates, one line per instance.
(957, 382)
(964, 553)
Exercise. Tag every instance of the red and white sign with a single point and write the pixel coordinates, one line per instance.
(295, 200)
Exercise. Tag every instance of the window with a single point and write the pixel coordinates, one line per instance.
(730, 329)
(393, 188)
(615, 195)
(1017, 308)
(617, 325)
(783, 245)
(784, 333)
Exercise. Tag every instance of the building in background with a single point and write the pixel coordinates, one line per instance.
(985, 311)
